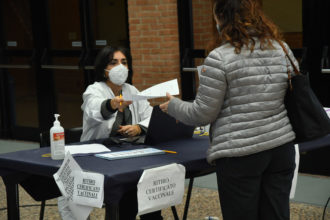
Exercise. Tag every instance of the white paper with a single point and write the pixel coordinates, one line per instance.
(130, 153)
(80, 211)
(155, 91)
(64, 179)
(86, 149)
(160, 187)
(295, 175)
(327, 110)
(70, 210)
(88, 189)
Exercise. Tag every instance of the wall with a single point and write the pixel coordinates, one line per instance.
(288, 16)
(111, 21)
(154, 42)
(202, 23)
(154, 37)
(203, 27)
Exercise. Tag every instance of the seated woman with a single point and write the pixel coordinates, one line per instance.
(107, 114)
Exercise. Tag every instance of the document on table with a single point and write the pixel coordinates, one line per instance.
(130, 153)
(155, 91)
(86, 149)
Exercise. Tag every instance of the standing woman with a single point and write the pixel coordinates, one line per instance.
(241, 93)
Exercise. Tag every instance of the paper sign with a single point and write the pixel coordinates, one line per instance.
(76, 44)
(71, 210)
(155, 91)
(80, 211)
(101, 42)
(64, 176)
(12, 43)
(64, 179)
(160, 187)
(88, 189)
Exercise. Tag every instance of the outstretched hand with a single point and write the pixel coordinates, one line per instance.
(164, 106)
(119, 103)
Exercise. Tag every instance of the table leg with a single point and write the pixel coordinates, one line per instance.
(12, 201)
(12, 194)
(185, 213)
(175, 214)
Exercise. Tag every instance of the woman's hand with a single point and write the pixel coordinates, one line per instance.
(119, 103)
(164, 106)
(129, 130)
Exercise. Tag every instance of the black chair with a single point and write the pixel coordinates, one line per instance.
(71, 135)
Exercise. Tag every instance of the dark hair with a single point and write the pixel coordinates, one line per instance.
(104, 57)
(241, 21)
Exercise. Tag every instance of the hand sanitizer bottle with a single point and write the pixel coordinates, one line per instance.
(57, 140)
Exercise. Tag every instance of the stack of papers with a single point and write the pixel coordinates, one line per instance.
(130, 153)
(86, 149)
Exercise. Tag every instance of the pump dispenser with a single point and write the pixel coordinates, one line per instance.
(57, 141)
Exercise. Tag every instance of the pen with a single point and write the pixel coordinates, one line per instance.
(169, 151)
(120, 96)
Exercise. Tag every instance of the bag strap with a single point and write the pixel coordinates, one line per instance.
(296, 71)
(292, 64)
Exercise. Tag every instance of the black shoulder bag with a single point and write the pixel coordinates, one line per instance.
(306, 114)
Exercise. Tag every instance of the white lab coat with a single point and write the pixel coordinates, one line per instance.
(94, 125)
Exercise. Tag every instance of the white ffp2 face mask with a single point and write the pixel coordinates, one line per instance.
(118, 74)
(218, 28)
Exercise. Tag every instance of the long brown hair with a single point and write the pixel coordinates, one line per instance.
(241, 22)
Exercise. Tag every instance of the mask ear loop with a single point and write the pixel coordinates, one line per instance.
(104, 75)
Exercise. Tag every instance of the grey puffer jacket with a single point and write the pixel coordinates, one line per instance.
(242, 96)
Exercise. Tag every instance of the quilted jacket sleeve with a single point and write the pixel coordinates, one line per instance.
(209, 99)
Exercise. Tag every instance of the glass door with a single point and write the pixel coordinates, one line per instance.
(47, 57)
(109, 27)
(62, 59)
(19, 107)
(109, 23)
(77, 34)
